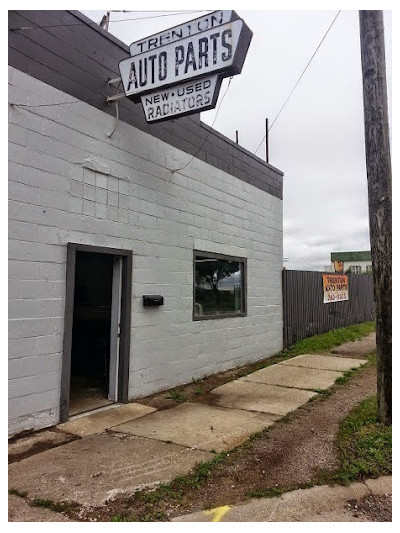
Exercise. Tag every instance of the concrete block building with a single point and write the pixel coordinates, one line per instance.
(141, 256)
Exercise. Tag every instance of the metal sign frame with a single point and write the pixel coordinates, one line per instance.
(167, 62)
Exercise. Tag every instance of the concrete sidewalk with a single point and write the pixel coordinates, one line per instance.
(317, 504)
(130, 447)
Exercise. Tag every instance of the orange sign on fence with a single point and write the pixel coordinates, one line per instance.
(336, 288)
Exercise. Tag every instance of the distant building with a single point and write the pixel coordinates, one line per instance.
(351, 262)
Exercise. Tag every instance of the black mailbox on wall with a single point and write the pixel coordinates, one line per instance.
(152, 300)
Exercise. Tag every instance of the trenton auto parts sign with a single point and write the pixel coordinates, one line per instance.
(179, 71)
(335, 287)
(182, 99)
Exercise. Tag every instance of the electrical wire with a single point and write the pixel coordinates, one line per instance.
(117, 113)
(206, 139)
(167, 14)
(299, 79)
(38, 27)
(16, 104)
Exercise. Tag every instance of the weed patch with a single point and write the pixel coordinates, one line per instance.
(365, 446)
(346, 376)
(322, 392)
(147, 517)
(177, 396)
(17, 492)
(57, 507)
(271, 492)
(120, 518)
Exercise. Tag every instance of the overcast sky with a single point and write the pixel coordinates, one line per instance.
(318, 139)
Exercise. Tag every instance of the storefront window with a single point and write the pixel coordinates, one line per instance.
(219, 286)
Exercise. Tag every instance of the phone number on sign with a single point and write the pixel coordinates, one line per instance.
(336, 297)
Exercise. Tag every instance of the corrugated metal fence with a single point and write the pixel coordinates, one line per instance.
(304, 311)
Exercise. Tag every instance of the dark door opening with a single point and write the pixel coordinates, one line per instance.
(96, 351)
(91, 331)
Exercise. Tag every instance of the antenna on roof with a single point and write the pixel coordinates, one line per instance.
(105, 21)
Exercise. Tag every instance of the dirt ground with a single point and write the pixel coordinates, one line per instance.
(290, 454)
(375, 508)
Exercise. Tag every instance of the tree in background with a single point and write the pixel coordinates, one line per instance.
(213, 271)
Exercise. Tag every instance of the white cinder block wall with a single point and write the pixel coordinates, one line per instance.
(69, 181)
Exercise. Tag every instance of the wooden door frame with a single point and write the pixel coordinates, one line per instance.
(125, 328)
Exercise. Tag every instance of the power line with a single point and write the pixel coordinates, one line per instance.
(166, 14)
(16, 104)
(37, 27)
(299, 79)
(205, 140)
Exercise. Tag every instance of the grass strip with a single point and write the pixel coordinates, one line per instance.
(329, 340)
(365, 446)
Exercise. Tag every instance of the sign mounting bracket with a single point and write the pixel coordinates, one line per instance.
(114, 80)
(115, 98)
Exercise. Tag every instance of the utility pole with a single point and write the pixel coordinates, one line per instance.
(379, 176)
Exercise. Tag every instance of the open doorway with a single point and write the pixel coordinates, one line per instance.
(97, 324)
(91, 332)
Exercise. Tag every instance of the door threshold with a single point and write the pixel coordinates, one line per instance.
(92, 411)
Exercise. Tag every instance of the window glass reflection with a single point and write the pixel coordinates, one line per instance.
(218, 286)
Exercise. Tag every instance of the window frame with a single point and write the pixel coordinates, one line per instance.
(213, 255)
